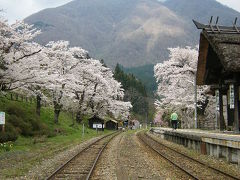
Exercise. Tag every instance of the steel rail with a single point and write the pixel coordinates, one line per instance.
(78, 153)
(97, 158)
(204, 164)
(169, 160)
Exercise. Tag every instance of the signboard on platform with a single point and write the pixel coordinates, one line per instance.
(2, 118)
(217, 99)
(231, 89)
(98, 126)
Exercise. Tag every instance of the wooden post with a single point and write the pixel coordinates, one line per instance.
(3, 128)
(221, 118)
(38, 107)
(195, 102)
(228, 110)
(236, 107)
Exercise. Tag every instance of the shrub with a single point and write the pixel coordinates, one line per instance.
(24, 127)
(13, 109)
(22, 120)
(36, 125)
(10, 134)
(50, 134)
(28, 126)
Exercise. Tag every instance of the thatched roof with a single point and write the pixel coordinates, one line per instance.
(218, 53)
(94, 117)
(113, 120)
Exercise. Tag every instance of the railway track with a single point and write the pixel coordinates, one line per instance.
(81, 165)
(194, 168)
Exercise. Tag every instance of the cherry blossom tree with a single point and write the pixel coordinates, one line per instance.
(66, 76)
(74, 76)
(15, 46)
(100, 89)
(21, 59)
(158, 119)
(175, 79)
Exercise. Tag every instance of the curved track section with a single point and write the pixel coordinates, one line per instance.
(81, 165)
(192, 167)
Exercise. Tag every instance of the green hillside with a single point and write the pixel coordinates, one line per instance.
(38, 135)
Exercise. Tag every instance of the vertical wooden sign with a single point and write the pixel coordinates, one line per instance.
(231, 89)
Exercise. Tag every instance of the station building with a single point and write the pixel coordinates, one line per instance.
(96, 122)
(219, 67)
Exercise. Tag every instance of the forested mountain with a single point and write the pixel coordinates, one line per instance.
(202, 10)
(135, 92)
(131, 32)
(146, 75)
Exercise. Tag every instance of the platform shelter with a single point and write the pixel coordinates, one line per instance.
(112, 124)
(219, 66)
(96, 122)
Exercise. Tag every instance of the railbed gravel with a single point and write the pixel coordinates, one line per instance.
(220, 164)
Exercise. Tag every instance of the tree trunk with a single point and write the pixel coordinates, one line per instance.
(56, 115)
(78, 117)
(38, 105)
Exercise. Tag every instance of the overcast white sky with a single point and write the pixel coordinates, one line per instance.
(19, 9)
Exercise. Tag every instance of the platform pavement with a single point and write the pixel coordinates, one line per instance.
(229, 136)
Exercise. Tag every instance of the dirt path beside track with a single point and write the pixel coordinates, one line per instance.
(127, 158)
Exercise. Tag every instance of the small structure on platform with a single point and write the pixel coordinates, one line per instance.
(219, 66)
(135, 124)
(112, 124)
(96, 123)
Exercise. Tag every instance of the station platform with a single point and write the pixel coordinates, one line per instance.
(218, 144)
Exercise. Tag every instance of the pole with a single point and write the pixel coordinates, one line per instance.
(146, 120)
(83, 130)
(3, 128)
(236, 107)
(195, 102)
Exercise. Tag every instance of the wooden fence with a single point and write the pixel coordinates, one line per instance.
(13, 96)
